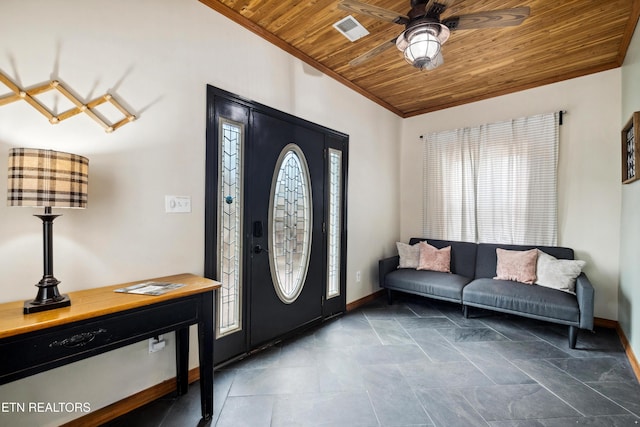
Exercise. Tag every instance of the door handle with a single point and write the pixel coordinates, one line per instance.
(257, 249)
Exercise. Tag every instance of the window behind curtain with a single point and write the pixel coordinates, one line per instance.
(495, 183)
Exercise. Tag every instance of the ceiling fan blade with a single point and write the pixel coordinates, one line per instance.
(373, 52)
(490, 19)
(373, 11)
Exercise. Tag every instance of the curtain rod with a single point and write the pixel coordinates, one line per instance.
(561, 114)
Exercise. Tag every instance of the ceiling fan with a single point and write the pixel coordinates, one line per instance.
(425, 32)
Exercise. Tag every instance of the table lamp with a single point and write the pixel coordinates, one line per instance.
(47, 178)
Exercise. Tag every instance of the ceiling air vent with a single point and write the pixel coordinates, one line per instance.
(351, 28)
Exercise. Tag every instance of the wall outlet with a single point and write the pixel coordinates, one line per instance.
(358, 276)
(177, 204)
(156, 344)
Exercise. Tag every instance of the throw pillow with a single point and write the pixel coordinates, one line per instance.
(409, 255)
(519, 266)
(434, 259)
(558, 274)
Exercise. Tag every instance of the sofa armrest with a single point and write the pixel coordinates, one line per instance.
(386, 266)
(585, 295)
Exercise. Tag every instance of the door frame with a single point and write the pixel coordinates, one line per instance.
(333, 139)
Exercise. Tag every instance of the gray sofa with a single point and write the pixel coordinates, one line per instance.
(471, 284)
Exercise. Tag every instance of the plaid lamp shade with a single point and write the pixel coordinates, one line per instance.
(47, 178)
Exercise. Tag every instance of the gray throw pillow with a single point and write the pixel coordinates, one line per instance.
(409, 255)
(556, 273)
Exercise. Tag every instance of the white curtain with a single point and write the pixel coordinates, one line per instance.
(496, 183)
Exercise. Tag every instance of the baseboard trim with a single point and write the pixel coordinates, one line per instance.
(605, 323)
(612, 324)
(362, 301)
(128, 404)
(629, 351)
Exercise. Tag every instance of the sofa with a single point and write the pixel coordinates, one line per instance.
(472, 282)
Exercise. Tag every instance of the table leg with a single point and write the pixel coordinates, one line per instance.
(182, 360)
(206, 336)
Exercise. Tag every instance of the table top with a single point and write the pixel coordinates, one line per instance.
(90, 303)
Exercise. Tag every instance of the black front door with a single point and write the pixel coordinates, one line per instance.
(274, 230)
(285, 206)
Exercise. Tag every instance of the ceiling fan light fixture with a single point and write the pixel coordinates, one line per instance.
(421, 45)
(422, 49)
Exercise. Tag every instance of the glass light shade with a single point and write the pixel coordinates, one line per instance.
(436, 62)
(421, 44)
(422, 49)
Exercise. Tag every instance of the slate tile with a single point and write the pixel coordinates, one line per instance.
(327, 409)
(435, 345)
(627, 394)
(517, 402)
(449, 408)
(246, 411)
(390, 332)
(250, 382)
(473, 334)
(596, 368)
(385, 354)
(444, 375)
(577, 394)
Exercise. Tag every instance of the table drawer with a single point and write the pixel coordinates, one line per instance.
(39, 351)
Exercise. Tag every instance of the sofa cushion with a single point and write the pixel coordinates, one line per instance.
(519, 266)
(486, 259)
(434, 259)
(409, 255)
(515, 297)
(433, 283)
(556, 273)
(463, 254)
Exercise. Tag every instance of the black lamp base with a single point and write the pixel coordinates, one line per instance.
(34, 306)
(48, 297)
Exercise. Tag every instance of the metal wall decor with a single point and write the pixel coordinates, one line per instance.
(30, 97)
(631, 149)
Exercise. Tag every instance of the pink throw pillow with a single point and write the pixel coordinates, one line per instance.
(519, 266)
(434, 259)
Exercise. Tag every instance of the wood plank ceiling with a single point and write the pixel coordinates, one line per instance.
(561, 39)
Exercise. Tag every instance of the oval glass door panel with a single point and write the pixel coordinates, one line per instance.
(290, 218)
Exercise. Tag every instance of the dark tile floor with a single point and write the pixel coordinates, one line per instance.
(419, 363)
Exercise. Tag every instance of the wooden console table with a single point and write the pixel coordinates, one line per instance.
(100, 320)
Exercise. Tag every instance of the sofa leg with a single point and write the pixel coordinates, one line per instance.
(573, 336)
(465, 311)
(389, 296)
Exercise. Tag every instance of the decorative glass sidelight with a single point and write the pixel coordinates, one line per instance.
(291, 222)
(230, 226)
(333, 223)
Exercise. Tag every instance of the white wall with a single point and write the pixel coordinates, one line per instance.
(157, 57)
(589, 168)
(629, 296)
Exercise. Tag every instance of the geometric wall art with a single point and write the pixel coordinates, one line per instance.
(29, 96)
(631, 149)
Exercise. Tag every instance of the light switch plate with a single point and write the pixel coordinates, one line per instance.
(177, 204)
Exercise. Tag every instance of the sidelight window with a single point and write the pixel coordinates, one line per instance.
(230, 226)
(333, 223)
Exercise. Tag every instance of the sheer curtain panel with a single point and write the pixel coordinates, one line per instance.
(495, 183)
